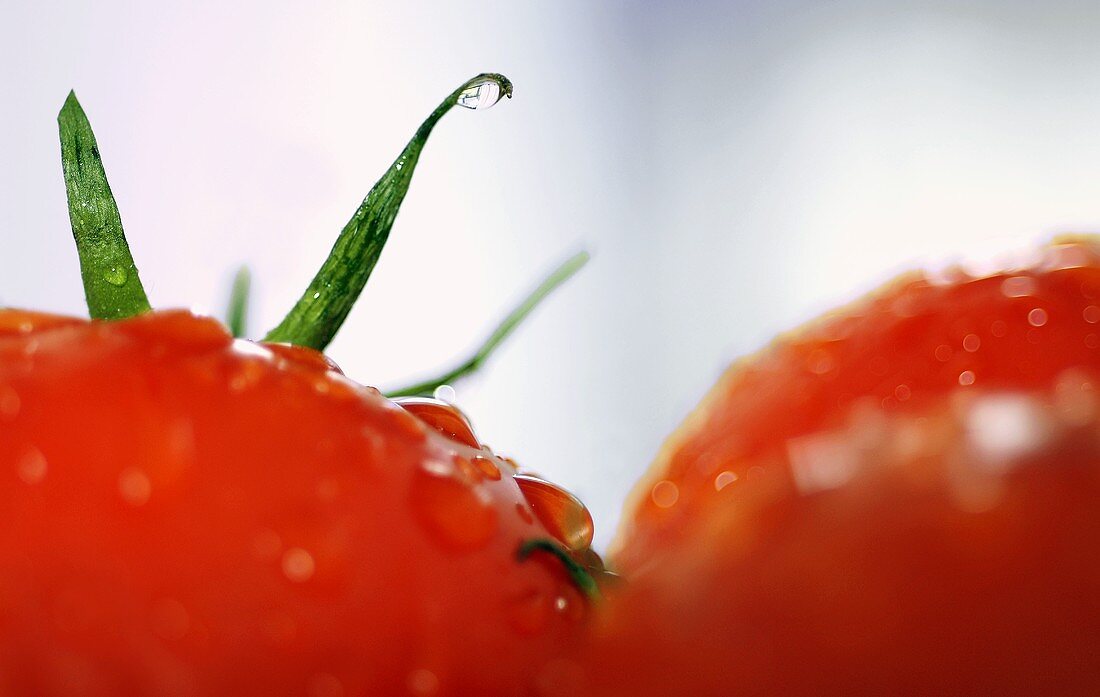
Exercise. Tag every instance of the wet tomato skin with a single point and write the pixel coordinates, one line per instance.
(183, 513)
(901, 498)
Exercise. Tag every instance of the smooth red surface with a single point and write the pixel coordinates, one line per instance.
(181, 513)
(902, 498)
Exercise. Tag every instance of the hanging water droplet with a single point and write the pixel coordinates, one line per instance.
(484, 94)
(561, 513)
(455, 513)
(116, 275)
(445, 418)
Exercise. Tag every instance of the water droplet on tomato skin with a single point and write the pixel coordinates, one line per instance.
(134, 486)
(561, 513)
(487, 467)
(422, 683)
(32, 466)
(530, 612)
(16, 322)
(170, 619)
(10, 403)
(524, 513)
(325, 685)
(302, 357)
(665, 494)
(443, 417)
(456, 513)
(298, 565)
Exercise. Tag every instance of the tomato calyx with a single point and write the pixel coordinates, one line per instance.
(113, 289)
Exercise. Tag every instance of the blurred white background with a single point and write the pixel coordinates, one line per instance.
(735, 168)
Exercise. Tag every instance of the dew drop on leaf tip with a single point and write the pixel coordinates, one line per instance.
(481, 95)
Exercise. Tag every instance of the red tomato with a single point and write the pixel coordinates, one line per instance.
(902, 498)
(182, 513)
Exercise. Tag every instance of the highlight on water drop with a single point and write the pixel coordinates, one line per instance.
(485, 92)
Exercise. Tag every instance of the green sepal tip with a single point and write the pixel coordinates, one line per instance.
(236, 313)
(556, 278)
(112, 287)
(579, 575)
(318, 314)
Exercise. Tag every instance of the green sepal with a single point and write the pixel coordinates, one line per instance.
(317, 316)
(557, 277)
(236, 313)
(112, 287)
(579, 575)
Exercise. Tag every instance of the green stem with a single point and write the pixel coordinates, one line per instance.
(577, 573)
(317, 316)
(236, 314)
(111, 284)
(557, 277)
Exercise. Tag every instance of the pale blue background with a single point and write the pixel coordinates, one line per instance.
(735, 168)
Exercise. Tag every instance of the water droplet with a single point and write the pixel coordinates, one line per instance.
(317, 295)
(724, 479)
(998, 328)
(298, 565)
(116, 275)
(943, 353)
(823, 460)
(1004, 427)
(665, 494)
(300, 357)
(422, 683)
(134, 486)
(971, 343)
(10, 404)
(529, 613)
(443, 417)
(325, 685)
(1018, 286)
(170, 619)
(32, 466)
(1092, 341)
(524, 514)
(1037, 317)
(820, 362)
(456, 513)
(560, 603)
(1091, 314)
(487, 467)
(902, 392)
(445, 393)
(1075, 398)
(484, 94)
(561, 513)
(463, 464)
(966, 377)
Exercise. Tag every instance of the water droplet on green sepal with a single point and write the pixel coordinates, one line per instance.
(111, 284)
(484, 94)
(115, 275)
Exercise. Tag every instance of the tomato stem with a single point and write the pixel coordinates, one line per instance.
(317, 316)
(111, 284)
(557, 277)
(236, 313)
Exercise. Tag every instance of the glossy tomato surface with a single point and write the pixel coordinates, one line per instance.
(182, 513)
(902, 498)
